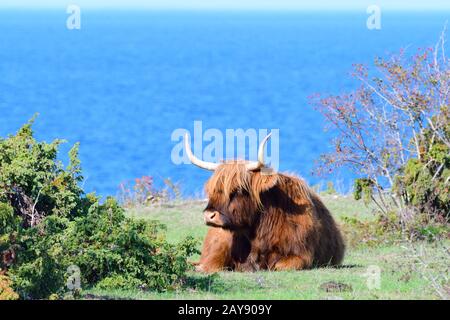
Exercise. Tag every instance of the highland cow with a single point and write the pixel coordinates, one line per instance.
(264, 220)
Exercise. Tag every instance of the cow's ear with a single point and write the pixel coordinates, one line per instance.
(263, 181)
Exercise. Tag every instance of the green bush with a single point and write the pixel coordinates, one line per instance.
(6, 292)
(363, 189)
(388, 229)
(48, 225)
(423, 187)
(9, 222)
(393, 131)
(424, 182)
(108, 248)
(373, 232)
(34, 182)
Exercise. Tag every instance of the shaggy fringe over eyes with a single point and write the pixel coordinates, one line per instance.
(233, 176)
(227, 178)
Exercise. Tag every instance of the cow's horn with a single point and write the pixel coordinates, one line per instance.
(199, 163)
(260, 163)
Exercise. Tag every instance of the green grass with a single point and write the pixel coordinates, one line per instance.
(406, 270)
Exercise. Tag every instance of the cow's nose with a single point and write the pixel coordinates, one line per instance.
(209, 216)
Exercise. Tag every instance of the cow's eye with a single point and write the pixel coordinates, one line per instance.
(209, 207)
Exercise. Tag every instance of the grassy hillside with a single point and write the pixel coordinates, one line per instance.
(407, 271)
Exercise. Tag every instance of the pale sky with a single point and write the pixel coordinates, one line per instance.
(403, 5)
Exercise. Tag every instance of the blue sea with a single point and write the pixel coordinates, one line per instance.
(122, 83)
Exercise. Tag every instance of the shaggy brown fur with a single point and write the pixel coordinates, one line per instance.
(266, 221)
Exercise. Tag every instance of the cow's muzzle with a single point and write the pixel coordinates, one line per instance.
(213, 218)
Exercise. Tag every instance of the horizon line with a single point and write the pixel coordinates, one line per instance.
(224, 9)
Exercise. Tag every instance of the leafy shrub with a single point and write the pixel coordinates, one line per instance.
(106, 243)
(363, 189)
(109, 249)
(393, 131)
(48, 225)
(33, 182)
(9, 222)
(389, 229)
(6, 292)
(381, 230)
(118, 281)
(425, 183)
